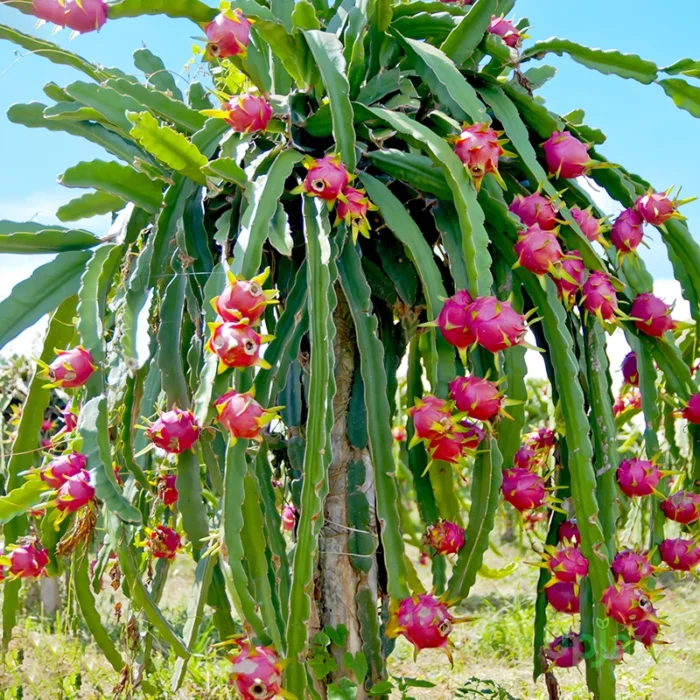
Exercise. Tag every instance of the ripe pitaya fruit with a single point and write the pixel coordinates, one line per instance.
(447, 448)
(691, 412)
(353, 206)
(599, 297)
(70, 420)
(656, 208)
(444, 537)
(398, 432)
(631, 566)
(479, 398)
(630, 373)
(256, 672)
(163, 542)
(236, 345)
(228, 34)
(541, 440)
(500, 26)
(651, 315)
(569, 532)
(564, 597)
(566, 156)
(472, 435)
(75, 492)
(244, 300)
(567, 564)
(326, 178)
(571, 277)
(62, 468)
(247, 114)
(591, 227)
(72, 368)
(431, 418)
(26, 560)
(638, 477)
(626, 603)
(682, 507)
(494, 324)
(535, 210)
(627, 231)
(525, 458)
(167, 489)
(175, 431)
(479, 148)
(85, 15)
(523, 489)
(53, 11)
(538, 251)
(288, 517)
(565, 651)
(646, 631)
(453, 321)
(680, 554)
(242, 415)
(423, 620)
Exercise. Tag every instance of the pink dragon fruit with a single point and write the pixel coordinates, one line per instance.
(175, 431)
(541, 440)
(242, 415)
(444, 537)
(398, 432)
(228, 34)
(619, 405)
(53, 11)
(71, 369)
(591, 227)
(75, 493)
(504, 28)
(62, 468)
(565, 651)
(691, 412)
(244, 300)
(163, 542)
(571, 278)
(638, 477)
(353, 207)
(680, 554)
(646, 631)
(535, 210)
(453, 321)
(538, 251)
(423, 620)
(479, 148)
(656, 208)
(247, 114)
(447, 448)
(627, 231)
(494, 324)
(85, 15)
(682, 507)
(236, 345)
(630, 373)
(566, 156)
(523, 489)
(479, 398)
(564, 597)
(634, 400)
(569, 533)
(599, 296)
(256, 672)
(525, 458)
(26, 559)
(631, 567)
(472, 435)
(567, 564)
(651, 315)
(431, 418)
(288, 517)
(46, 425)
(167, 489)
(626, 603)
(70, 420)
(326, 178)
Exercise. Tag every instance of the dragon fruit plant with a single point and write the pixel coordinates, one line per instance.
(326, 265)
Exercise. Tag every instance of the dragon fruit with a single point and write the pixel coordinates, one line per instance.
(163, 542)
(444, 537)
(626, 603)
(85, 15)
(495, 324)
(175, 431)
(599, 296)
(638, 477)
(288, 517)
(630, 373)
(656, 208)
(26, 560)
(479, 148)
(523, 489)
(431, 418)
(646, 631)
(566, 156)
(423, 620)
(535, 210)
(682, 507)
(242, 415)
(62, 468)
(398, 432)
(71, 369)
(591, 227)
(236, 345)
(453, 320)
(504, 28)
(569, 532)
(75, 492)
(565, 651)
(571, 277)
(53, 11)
(353, 206)
(449, 447)
(619, 405)
(70, 420)
(651, 315)
(244, 300)
(538, 251)
(326, 178)
(46, 425)
(246, 114)
(256, 672)
(680, 554)
(567, 564)
(167, 489)
(691, 412)
(228, 34)
(472, 435)
(541, 440)
(631, 566)
(525, 458)
(479, 398)
(627, 231)
(564, 597)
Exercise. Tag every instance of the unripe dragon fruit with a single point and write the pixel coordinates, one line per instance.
(682, 507)
(680, 554)
(85, 15)
(564, 597)
(691, 412)
(651, 315)
(631, 566)
(523, 489)
(535, 210)
(256, 672)
(163, 542)
(627, 231)
(70, 420)
(244, 300)
(431, 418)
(75, 492)
(472, 435)
(236, 345)
(566, 156)
(242, 415)
(538, 251)
(572, 268)
(247, 114)
(599, 297)
(630, 373)
(62, 468)
(479, 398)
(638, 477)
(591, 227)
(26, 560)
(504, 28)
(479, 148)
(565, 651)
(541, 440)
(453, 320)
(72, 368)
(569, 532)
(646, 631)
(398, 432)
(525, 458)
(326, 178)
(167, 489)
(656, 208)
(494, 324)
(228, 34)
(626, 603)
(567, 564)
(288, 517)
(352, 208)
(447, 448)
(423, 620)
(175, 431)
(444, 537)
